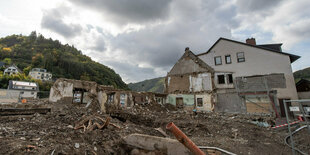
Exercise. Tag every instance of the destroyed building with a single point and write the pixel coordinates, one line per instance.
(85, 92)
(234, 77)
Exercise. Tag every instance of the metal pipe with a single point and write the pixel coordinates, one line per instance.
(216, 148)
(182, 138)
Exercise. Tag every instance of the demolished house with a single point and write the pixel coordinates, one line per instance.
(233, 77)
(85, 92)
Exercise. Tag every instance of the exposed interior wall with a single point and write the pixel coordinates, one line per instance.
(207, 102)
(258, 105)
(188, 100)
(178, 84)
(61, 89)
(230, 102)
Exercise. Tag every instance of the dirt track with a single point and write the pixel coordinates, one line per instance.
(54, 132)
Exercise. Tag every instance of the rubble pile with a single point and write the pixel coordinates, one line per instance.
(74, 129)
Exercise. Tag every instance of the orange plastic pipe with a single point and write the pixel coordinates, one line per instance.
(182, 138)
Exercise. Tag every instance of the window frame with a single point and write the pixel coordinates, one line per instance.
(228, 79)
(238, 59)
(228, 56)
(220, 60)
(197, 103)
(218, 79)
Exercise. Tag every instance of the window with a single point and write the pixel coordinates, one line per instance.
(221, 79)
(227, 59)
(199, 102)
(110, 98)
(230, 78)
(22, 92)
(218, 60)
(240, 57)
(32, 93)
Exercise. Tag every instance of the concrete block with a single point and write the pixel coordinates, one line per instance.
(153, 143)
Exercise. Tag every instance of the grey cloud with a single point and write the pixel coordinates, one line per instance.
(128, 11)
(99, 44)
(53, 20)
(256, 5)
(129, 72)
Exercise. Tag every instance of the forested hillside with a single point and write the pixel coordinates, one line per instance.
(35, 51)
(151, 85)
(302, 74)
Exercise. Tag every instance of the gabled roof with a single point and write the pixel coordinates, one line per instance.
(196, 59)
(268, 47)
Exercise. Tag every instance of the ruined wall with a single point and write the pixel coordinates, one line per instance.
(188, 100)
(102, 99)
(186, 66)
(178, 84)
(61, 89)
(258, 105)
(230, 102)
(189, 83)
(207, 102)
(9, 96)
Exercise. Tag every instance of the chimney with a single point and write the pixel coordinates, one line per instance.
(250, 41)
(186, 49)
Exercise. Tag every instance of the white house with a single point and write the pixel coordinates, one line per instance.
(11, 70)
(237, 59)
(245, 78)
(26, 89)
(40, 74)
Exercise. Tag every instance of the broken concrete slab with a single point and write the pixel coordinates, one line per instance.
(153, 143)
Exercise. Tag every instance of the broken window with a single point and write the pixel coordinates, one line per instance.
(221, 79)
(227, 59)
(230, 78)
(110, 98)
(240, 57)
(218, 60)
(199, 102)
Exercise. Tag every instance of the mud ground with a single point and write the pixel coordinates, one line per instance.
(54, 133)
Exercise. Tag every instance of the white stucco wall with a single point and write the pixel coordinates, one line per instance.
(257, 62)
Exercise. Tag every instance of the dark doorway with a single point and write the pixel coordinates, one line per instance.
(179, 102)
(281, 103)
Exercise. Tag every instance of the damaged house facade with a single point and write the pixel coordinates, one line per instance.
(244, 78)
(86, 92)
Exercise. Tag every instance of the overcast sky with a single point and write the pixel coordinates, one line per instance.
(142, 39)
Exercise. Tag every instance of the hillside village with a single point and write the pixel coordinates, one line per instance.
(235, 98)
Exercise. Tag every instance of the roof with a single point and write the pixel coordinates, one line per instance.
(268, 47)
(195, 58)
(13, 65)
(24, 84)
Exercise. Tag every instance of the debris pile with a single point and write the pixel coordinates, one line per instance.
(77, 129)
